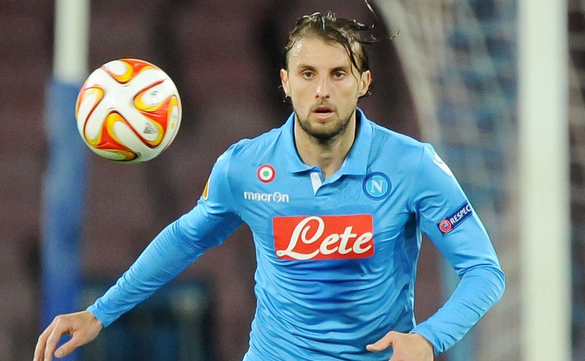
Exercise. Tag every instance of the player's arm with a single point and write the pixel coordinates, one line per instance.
(452, 224)
(172, 250)
(175, 248)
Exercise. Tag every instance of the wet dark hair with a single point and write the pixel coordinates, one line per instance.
(333, 30)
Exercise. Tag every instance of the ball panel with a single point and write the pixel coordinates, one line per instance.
(174, 116)
(124, 70)
(109, 139)
(117, 155)
(154, 103)
(87, 101)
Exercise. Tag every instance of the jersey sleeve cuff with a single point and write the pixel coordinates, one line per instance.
(429, 336)
(105, 319)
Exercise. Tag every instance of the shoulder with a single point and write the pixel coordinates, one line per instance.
(233, 165)
(396, 138)
(396, 147)
(254, 147)
(248, 152)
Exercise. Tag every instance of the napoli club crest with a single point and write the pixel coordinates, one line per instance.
(377, 185)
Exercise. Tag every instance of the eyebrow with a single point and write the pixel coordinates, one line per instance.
(346, 68)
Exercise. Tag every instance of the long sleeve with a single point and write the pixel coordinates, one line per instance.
(207, 225)
(446, 216)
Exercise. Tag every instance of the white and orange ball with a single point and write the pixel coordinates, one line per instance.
(128, 111)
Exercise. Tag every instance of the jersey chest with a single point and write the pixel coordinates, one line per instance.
(299, 216)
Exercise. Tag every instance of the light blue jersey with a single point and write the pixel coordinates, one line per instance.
(336, 258)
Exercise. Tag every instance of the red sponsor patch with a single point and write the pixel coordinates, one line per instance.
(323, 237)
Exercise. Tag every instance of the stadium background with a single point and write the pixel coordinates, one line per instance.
(450, 78)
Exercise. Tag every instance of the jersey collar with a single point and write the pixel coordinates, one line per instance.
(357, 160)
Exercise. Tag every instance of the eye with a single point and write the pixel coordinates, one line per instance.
(338, 74)
(307, 74)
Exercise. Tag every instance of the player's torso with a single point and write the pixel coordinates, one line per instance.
(335, 256)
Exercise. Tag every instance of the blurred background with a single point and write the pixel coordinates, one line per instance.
(449, 78)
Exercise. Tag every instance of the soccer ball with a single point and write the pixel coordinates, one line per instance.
(128, 111)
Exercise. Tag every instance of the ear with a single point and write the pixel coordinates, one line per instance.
(284, 82)
(365, 81)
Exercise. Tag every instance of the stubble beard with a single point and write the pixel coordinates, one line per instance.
(326, 135)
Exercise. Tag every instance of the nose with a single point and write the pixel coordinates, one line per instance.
(322, 90)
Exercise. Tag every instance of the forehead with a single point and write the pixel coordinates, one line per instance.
(317, 53)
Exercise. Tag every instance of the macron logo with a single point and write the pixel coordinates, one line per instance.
(276, 197)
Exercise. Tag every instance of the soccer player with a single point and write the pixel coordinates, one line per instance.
(337, 206)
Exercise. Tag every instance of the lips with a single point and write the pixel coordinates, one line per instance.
(323, 109)
(323, 112)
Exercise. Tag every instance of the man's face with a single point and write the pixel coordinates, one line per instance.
(324, 87)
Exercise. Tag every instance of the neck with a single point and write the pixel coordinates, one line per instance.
(327, 154)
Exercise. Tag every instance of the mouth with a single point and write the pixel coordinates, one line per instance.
(323, 112)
